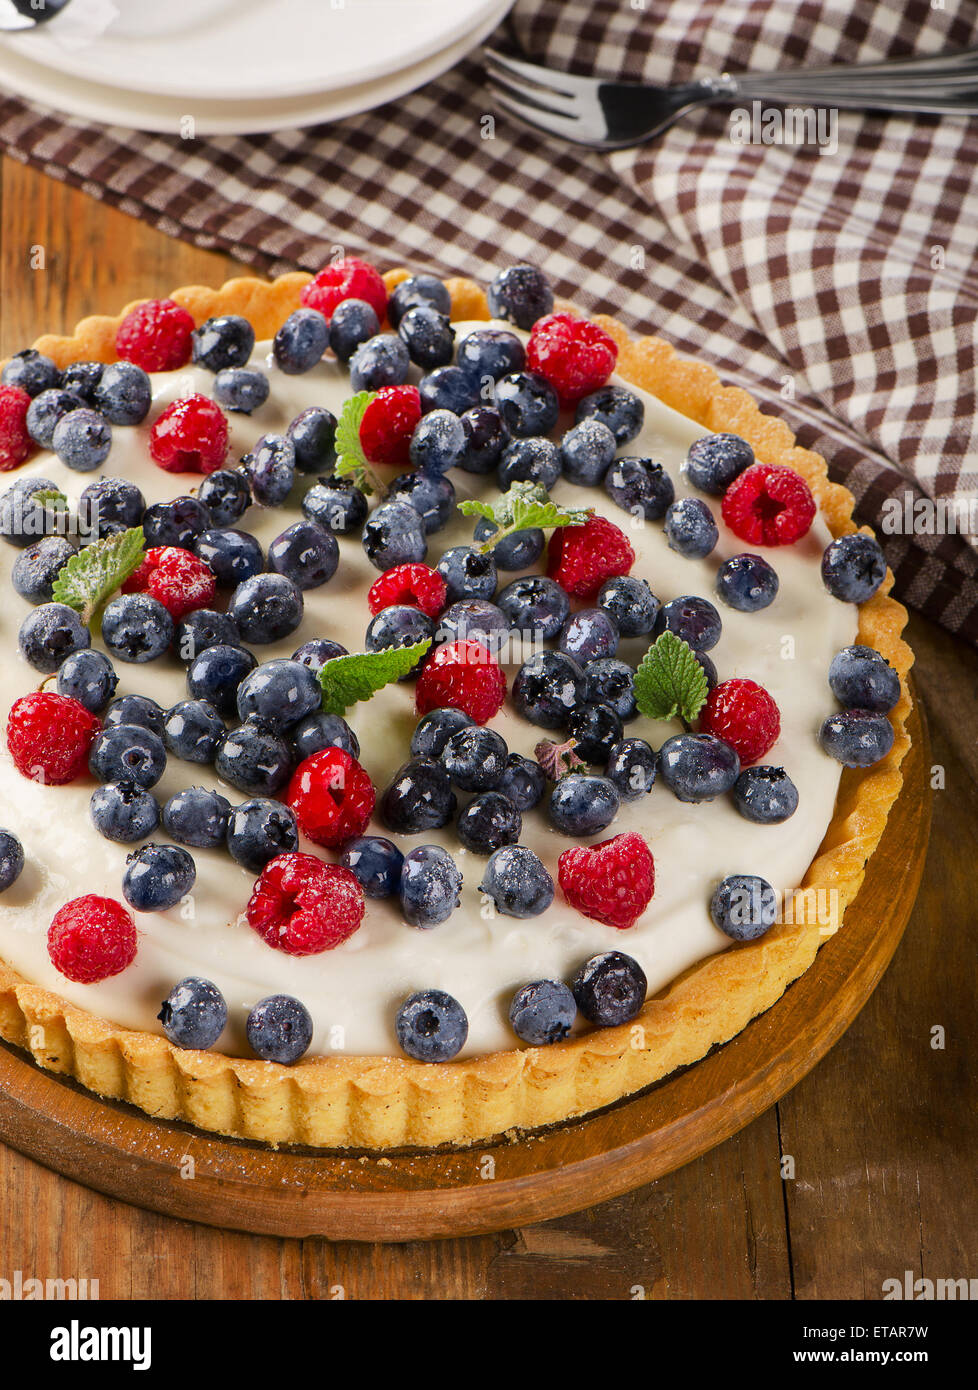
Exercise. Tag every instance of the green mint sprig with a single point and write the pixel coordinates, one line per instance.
(347, 679)
(89, 579)
(670, 683)
(524, 506)
(351, 461)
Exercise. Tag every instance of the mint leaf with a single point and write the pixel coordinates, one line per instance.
(87, 580)
(557, 759)
(670, 683)
(523, 507)
(351, 461)
(347, 679)
(51, 497)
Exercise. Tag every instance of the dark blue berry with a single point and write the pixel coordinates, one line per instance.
(279, 1029)
(305, 553)
(301, 341)
(618, 408)
(431, 496)
(862, 678)
(313, 436)
(254, 759)
(429, 887)
(693, 619)
(241, 389)
(419, 797)
(631, 767)
(11, 860)
(270, 469)
(136, 628)
(233, 555)
(124, 812)
(596, 729)
(747, 583)
(418, 289)
(610, 989)
(709, 669)
(611, 682)
(226, 495)
(448, 388)
(140, 710)
(50, 633)
(82, 440)
(124, 394)
(381, 361)
(316, 652)
(203, 628)
(376, 862)
(46, 410)
(217, 672)
(478, 619)
(431, 1026)
(521, 295)
(438, 442)
(690, 528)
(128, 753)
(266, 608)
(543, 1012)
(474, 758)
(394, 535)
(318, 731)
(400, 625)
(490, 353)
(523, 782)
(640, 487)
(88, 677)
(429, 336)
(587, 451)
(517, 882)
(193, 730)
(197, 817)
(36, 568)
(337, 504)
(486, 436)
(528, 403)
(435, 729)
(175, 523)
(856, 737)
(227, 340)
(698, 767)
(489, 822)
(853, 567)
(32, 371)
(23, 519)
(82, 380)
(194, 1013)
(631, 603)
(109, 506)
(581, 804)
(354, 322)
(467, 573)
(532, 460)
(517, 551)
(744, 907)
(715, 460)
(765, 795)
(589, 635)
(547, 688)
(258, 831)
(536, 606)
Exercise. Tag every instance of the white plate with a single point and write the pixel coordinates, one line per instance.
(138, 111)
(232, 50)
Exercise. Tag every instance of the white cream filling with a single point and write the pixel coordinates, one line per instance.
(479, 956)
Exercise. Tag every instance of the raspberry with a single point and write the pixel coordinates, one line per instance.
(91, 938)
(388, 424)
(332, 797)
(49, 737)
(15, 443)
(581, 558)
(416, 585)
(191, 436)
(743, 714)
(768, 504)
(174, 577)
(302, 906)
(575, 355)
(611, 882)
(462, 675)
(156, 336)
(349, 278)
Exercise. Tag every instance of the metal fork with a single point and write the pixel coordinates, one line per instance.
(613, 115)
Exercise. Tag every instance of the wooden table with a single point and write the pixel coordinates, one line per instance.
(879, 1140)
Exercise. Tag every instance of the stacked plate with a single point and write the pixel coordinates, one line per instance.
(237, 67)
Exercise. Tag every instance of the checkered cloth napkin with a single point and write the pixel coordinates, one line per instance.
(837, 286)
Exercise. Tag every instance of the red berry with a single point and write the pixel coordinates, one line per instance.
(302, 906)
(768, 504)
(388, 424)
(91, 938)
(416, 585)
(156, 336)
(191, 436)
(332, 797)
(575, 355)
(581, 558)
(611, 882)
(462, 675)
(743, 714)
(174, 577)
(15, 443)
(49, 737)
(349, 278)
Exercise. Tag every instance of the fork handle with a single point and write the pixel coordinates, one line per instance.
(943, 82)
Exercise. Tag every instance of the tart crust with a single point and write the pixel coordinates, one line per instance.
(388, 1102)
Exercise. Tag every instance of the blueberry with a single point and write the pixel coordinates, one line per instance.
(640, 487)
(270, 469)
(136, 628)
(611, 682)
(588, 635)
(581, 804)
(258, 831)
(522, 781)
(354, 323)
(693, 619)
(233, 555)
(227, 340)
(376, 862)
(439, 441)
(517, 882)
(319, 731)
(175, 523)
(279, 1029)
(193, 730)
(489, 822)
(46, 410)
(140, 710)
(528, 403)
(744, 907)
(448, 388)
(747, 583)
(197, 817)
(50, 633)
(490, 353)
(266, 608)
(690, 528)
(431, 1026)
(109, 506)
(128, 753)
(618, 408)
(226, 495)
(82, 380)
(765, 795)
(543, 1012)
(313, 436)
(279, 693)
(596, 729)
(631, 603)
(435, 729)
(203, 628)
(862, 678)
(194, 1013)
(381, 361)
(715, 460)
(82, 440)
(547, 688)
(394, 535)
(536, 606)
(23, 519)
(856, 737)
(709, 669)
(124, 394)
(157, 877)
(419, 797)
(400, 625)
(36, 568)
(418, 289)
(217, 672)
(467, 573)
(336, 504)
(11, 860)
(587, 451)
(474, 758)
(520, 294)
(610, 989)
(429, 336)
(431, 496)
(254, 759)
(531, 460)
(514, 552)
(88, 677)
(31, 371)
(698, 767)
(301, 341)
(124, 812)
(631, 767)
(476, 618)
(853, 567)
(316, 652)
(241, 389)
(305, 553)
(486, 436)
(429, 887)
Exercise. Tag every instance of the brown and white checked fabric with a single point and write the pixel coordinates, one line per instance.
(837, 287)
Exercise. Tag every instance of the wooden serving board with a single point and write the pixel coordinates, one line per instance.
(172, 1168)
